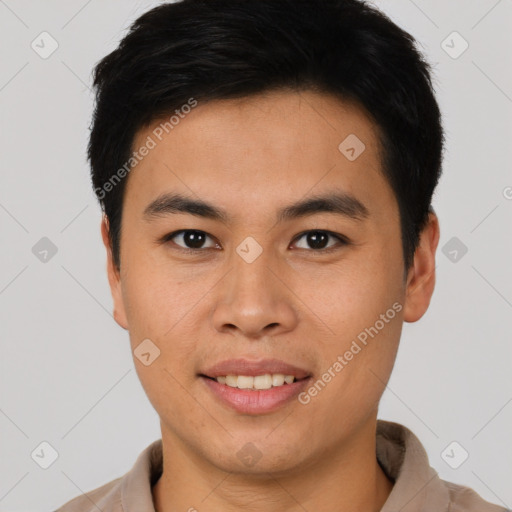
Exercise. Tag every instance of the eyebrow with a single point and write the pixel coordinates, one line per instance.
(339, 203)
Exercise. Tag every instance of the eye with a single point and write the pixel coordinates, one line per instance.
(318, 240)
(191, 239)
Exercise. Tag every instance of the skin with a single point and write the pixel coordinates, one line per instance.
(252, 156)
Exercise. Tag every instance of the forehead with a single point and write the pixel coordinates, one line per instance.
(262, 149)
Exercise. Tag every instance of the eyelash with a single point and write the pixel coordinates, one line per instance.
(342, 240)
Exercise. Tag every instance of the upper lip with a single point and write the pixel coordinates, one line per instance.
(253, 368)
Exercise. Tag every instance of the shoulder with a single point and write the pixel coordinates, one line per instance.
(106, 497)
(406, 462)
(133, 487)
(465, 499)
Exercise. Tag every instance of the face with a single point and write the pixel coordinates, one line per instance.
(257, 270)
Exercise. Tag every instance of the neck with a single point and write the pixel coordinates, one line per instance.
(350, 480)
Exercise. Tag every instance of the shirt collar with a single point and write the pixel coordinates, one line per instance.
(417, 486)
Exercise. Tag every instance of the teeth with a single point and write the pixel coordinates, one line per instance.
(266, 381)
(245, 382)
(262, 381)
(231, 380)
(277, 379)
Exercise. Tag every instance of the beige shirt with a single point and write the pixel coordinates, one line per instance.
(417, 487)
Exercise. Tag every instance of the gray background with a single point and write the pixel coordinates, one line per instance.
(67, 375)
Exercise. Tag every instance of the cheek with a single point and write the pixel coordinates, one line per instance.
(357, 363)
(163, 307)
(154, 298)
(362, 306)
(350, 297)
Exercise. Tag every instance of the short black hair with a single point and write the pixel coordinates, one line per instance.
(227, 49)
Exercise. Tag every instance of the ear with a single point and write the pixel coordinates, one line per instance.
(114, 277)
(421, 276)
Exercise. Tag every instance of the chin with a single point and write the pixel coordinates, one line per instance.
(257, 458)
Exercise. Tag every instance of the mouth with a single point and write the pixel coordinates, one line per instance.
(254, 387)
(256, 382)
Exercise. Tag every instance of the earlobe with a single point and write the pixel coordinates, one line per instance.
(421, 275)
(114, 277)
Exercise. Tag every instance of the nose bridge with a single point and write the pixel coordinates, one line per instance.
(251, 298)
(251, 279)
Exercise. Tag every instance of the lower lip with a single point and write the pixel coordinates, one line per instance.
(256, 401)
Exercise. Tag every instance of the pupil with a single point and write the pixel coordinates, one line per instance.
(317, 240)
(194, 239)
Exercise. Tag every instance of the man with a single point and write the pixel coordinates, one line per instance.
(266, 171)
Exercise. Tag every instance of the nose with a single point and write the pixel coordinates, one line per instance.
(254, 299)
